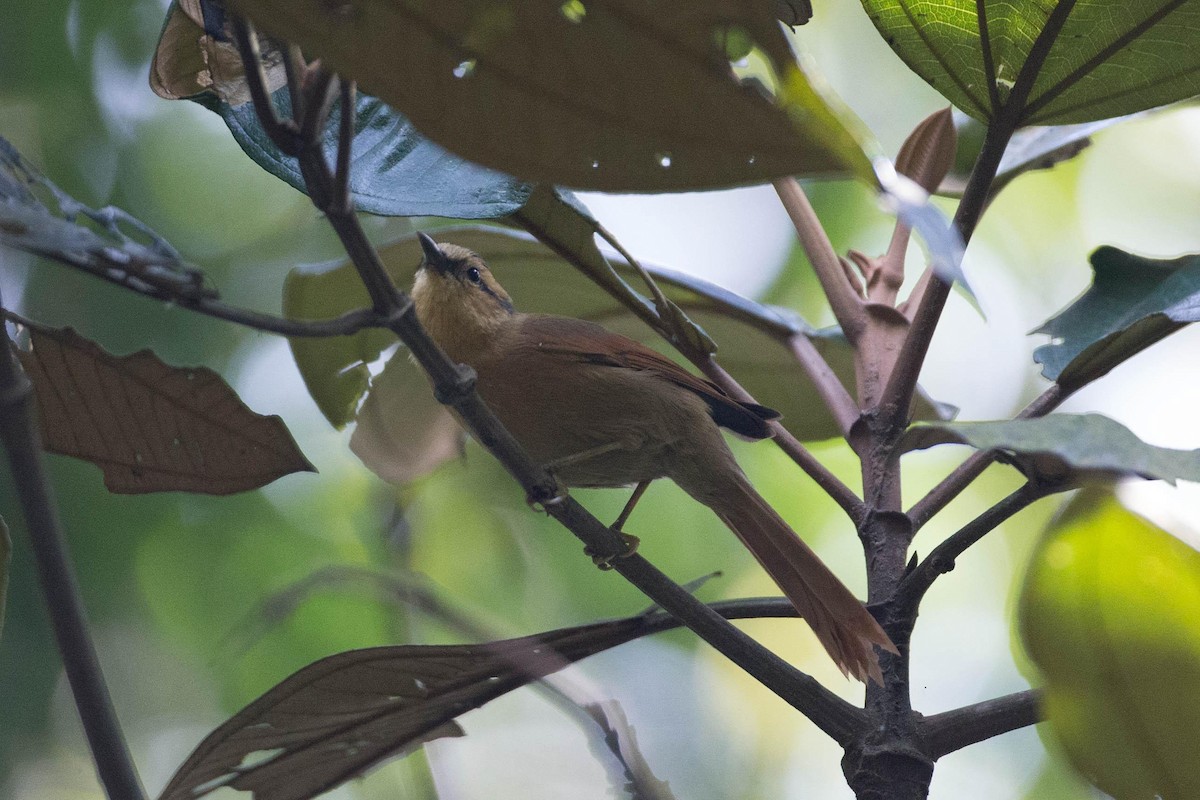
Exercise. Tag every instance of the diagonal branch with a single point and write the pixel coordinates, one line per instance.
(963, 475)
(454, 385)
(941, 559)
(846, 303)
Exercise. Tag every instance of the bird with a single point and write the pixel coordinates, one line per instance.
(601, 410)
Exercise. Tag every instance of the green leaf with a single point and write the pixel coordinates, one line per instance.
(1063, 447)
(1133, 303)
(395, 171)
(619, 97)
(1039, 63)
(394, 423)
(1110, 613)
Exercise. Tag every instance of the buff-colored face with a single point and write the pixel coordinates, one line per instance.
(457, 298)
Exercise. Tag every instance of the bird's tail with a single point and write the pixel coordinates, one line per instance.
(842, 624)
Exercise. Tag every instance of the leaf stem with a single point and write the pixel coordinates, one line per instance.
(830, 483)
(846, 304)
(60, 588)
(839, 402)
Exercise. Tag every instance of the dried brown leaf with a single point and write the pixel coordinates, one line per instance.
(189, 60)
(149, 426)
(336, 718)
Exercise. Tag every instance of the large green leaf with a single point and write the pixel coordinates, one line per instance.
(614, 95)
(1048, 63)
(395, 171)
(1133, 302)
(1110, 613)
(1063, 447)
(753, 343)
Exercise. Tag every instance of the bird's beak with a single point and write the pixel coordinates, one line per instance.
(434, 257)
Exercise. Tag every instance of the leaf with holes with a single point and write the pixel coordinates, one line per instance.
(614, 95)
(1036, 63)
(1133, 302)
(151, 427)
(1110, 613)
(336, 718)
(1063, 447)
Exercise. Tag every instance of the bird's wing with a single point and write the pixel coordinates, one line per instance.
(593, 344)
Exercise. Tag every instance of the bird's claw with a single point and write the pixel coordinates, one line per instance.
(604, 562)
(544, 498)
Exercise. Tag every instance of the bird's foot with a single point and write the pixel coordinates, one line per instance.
(545, 496)
(604, 562)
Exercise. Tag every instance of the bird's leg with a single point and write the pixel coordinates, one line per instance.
(539, 504)
(605, 562)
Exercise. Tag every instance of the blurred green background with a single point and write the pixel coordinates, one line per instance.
(194, 600)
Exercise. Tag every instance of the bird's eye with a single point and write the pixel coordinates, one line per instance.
(473, 275)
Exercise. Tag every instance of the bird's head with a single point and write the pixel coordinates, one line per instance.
(458, 300)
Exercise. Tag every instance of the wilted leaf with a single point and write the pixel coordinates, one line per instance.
(38, 217)
(753, 340)
(1063, 447)
(402, 432)
(1110, 613)
(337, 717)
(1133, 302)
(190, 60)
(1091, 59)
(604, 94)
(149, 426)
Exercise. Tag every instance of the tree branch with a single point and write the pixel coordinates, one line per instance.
(941, 559)
(789, 444)
(953, 730)
(454, 385)
(59, 585)
(963, 475)
(846, 304)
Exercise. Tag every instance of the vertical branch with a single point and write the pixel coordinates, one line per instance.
(59, 585)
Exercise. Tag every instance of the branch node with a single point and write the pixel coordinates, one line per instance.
(458, 390)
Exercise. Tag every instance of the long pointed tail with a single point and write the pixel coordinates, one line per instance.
(845, 628)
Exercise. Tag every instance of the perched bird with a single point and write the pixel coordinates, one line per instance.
(599, 409)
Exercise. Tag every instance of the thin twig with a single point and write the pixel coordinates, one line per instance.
(59, 585)
(455, 386)
(941, 559)
(837, 400)
(953, 730)
(341, 173)
(833, 486)
(846, 304)
(963, 475)
(283, 133)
